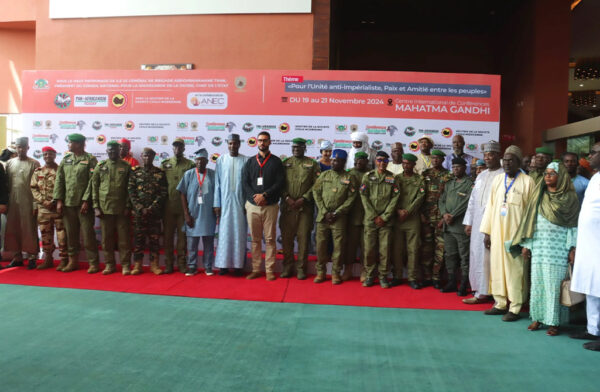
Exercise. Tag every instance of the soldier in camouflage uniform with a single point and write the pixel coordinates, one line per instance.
(407, 228)
(148, 191)
(174, 169)
(296, 218)
(379, 193)
(42, 187)
(113, 207)
(73, 202)
(432, 234)
(334, 193)
(355, 229)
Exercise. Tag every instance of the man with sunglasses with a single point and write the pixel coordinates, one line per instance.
(379, 193)
(263, 179)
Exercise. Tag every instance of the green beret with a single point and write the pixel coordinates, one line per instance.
(361, 155)
(409, 157)
(178, 140)
(544, 150)
(298, 141)
(438, 153)
(112, 143)
(76, 137)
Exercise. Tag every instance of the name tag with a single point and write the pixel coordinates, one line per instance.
(503, 209)
(259, 181)
(200, 201)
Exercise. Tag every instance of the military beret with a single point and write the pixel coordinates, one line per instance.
(361, 155)
(148, 150)
(112, 143)
(178, 141)
(409, 157)
(48, 148)
(298, 141)
(382, 154)
(339, 154)
(125, 141)
(76, 137)
(201, 153)
(480, 162)
(438, 153)
(544, 150)
(459, 161)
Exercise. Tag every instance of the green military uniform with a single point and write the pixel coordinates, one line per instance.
(407, 234)
(109, 193)
(42, 189)
(432, 237)
(147, 190)
(454, 201)
(173, 218)
(72, 186)
(334, 192)
(300, 176)
(379, 194)
(354, 228)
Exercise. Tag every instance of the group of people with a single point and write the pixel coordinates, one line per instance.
(497, 227)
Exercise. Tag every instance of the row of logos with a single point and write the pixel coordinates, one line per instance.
(247, 127)
(199, 141)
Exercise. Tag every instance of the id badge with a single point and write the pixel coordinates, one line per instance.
(200, 199)
(503, 209)
(259, 181)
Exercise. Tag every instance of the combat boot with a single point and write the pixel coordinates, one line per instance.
(168, 267)
(320, 278)
(182, 266)
(287, 272)
(48, 262)
(301, 275)
(450, 287)
(126, 268)
(137, 267)
(63, 263)
(336, 279)
(93, 268)
(462, 290)
(154, 264)
(363, 276)
(347, 275)
(73, 264)
(109, 268)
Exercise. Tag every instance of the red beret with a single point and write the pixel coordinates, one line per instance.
(125, 141)
(48, 148)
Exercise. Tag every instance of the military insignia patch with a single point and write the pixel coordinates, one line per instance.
(389, 180)
(363, 188)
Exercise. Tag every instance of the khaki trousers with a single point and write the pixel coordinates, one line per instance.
(263, 221)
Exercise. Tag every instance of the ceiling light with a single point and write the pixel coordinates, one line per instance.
(581, 85)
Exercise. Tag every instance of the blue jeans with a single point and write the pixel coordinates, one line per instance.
(208, 247)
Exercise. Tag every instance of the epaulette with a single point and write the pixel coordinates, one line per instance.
(67, 154)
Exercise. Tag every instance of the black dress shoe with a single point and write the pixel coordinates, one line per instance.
(414, 285)
(427, 283)
(450, 287)
(437, 284)
(31, 264)
(238, 272)
(594, 346)
(395, 282)
(15, 263)
(223, 271)
(583, 335)
(462, 292)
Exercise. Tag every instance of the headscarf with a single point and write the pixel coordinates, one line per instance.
(560, 208)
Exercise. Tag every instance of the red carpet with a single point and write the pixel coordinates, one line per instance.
(239, 288)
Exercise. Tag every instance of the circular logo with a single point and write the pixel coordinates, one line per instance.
(100, 139)
(194, 125)
(40, 84)
(164, 139)
(414, 146)
(248, 127)
(252, 141)
(447, 132)
(410, 131)
(97, 125)
(182, 125)
(240, 82)
(48, 124)
(164, 155)
(37, 154)
(353, 128)
(217, 141)
(284, 127)
(62, 100)
(129, 125)
(214, 157)
(152, 139)
(471, 147)
(118, 100)
(377, 145)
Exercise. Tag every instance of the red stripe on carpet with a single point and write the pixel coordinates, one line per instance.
(349, 293)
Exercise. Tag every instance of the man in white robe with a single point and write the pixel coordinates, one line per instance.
(21, 227)
(479, 255)
(586, 274)
(509, 196)
(360, 142)
(229, 208)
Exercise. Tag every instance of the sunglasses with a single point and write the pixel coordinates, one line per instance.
(382, 160)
